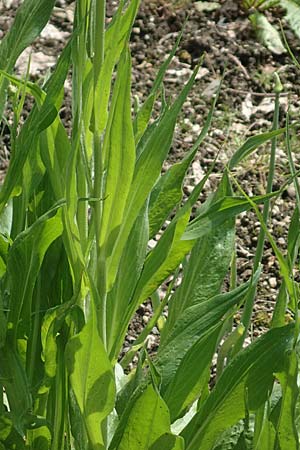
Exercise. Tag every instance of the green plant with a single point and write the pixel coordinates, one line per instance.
(76, 217)
(265, 31)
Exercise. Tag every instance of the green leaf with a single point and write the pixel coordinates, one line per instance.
(147, 170)
(31, 17)
(193, 325)
(226, 403)
(33, 125)
(51, 327)
(164, 258)
(120, 308)
(40, 438)
(191, 375)
(167, 193)
(204, 272)
(119, 153)
(292, 15)
(266, 33)
(14, 380)
(286, 428)
(252, 144)
(116, 39)
(219, 212)
(24, 262)
(142, 118)
(92, 379)
(148, 426)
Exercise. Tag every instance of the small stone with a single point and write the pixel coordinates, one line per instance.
(291, 192)
(273, 282)
(146, 319)
(188, 139)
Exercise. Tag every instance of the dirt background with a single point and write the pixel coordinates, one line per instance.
(228, 42)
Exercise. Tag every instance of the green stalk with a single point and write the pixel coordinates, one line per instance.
(250, 298)
(34, 340)
(99, 45)
(59, 393)
(278, 318)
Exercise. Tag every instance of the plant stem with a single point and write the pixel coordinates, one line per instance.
(99, 45)
(249, 304)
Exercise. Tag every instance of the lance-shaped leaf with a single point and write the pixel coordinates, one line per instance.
(167, 193)
(116, 39)
(244, 384)
(148, 425)
(38, 120)
(119, 305)
(24, 261)
(219, 212)
(166, 256)
(92, 379)
(147, 170)
(208, 264)
(14, 380)
(192, 325)
(30, 19)
(252, 144)
(119, 156)
(143, 115)
(292, 15)
(286, 427)
(191, 375)
(266, 33)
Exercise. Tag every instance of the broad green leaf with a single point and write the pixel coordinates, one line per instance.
(164, 258)
(120, 308)
(24, 261)
(292, 15)
(208, 264)
(116, 39)
(148, 426)
(92, 379)
(14, 380)
(286, 428)
(252, 144)
(192, 325)
(147, 170)
(39, 439)
(34, 125)
(266, 33)
(226, 403)
(10, 438)
(190, 376)
(142, 118)
(77, 425)
(278, 318)
(167, 193)
(51, 326)
(219, 212)
(6, 221)
(31, 17)
(205, 271)
(119, 157)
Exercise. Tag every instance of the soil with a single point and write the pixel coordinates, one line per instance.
(227, 42)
